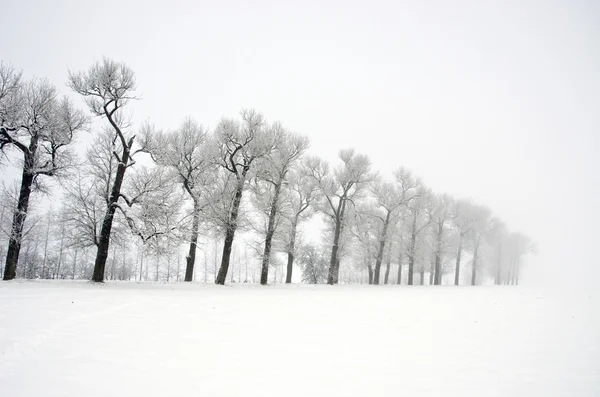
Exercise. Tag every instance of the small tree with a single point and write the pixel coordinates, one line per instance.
(313, 262)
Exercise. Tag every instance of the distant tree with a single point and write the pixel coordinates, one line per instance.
(340, 188)
(41, 126)
(300, 194)
(314, 264)
(480, 231)
(463, 218)
(273, 172)
(365, 230)
(419, 219)
(518, 245)
(441, 216)
(188, 152)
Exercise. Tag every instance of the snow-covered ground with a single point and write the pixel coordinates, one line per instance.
(77, 339)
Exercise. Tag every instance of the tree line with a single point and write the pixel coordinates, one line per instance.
(138, 195)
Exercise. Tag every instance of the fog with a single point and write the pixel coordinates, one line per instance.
(497, 101)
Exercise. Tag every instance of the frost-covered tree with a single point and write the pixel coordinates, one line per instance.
(240, 145)
(41, 126)
(273, 174)
(314, 264)
(189, 154)
(300, 195)
(419, 219)
(441, 215)
(340, 187)
(107, 86)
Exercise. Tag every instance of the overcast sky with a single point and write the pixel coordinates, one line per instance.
(498, 101)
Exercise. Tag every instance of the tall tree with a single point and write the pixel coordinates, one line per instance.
(107, 87)
(240, 145)
(463, 218)
(188, 153)
(440, 217)
(41, 126)
(274, 172)
(481, 228)
(340, 188)
(301, 193)
(419, 220)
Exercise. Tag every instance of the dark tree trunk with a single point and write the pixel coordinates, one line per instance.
(291, 248)
(475, 255)
(432, 273)
(457, 269)
(386, 278)
(381, 249)
(411, 252)
(191, 257)
(264, 274)
(16, 235)
(334, 262)
(104, 241)
(438, 260)
(370, 268)
(230, 234)
(400, 268)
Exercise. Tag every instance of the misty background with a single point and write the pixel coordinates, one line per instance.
(497, 101)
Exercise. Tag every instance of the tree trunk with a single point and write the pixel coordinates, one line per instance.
(104, 241)
(230, 234)
(422, 274)
(387, 270)
(16, 235)
(370, 268)
(474, 270)
(438, 253)
(400, 267)
(74, 262)
(334, 262)
(291, 248)
(264, 274)
(499, 267)
(411, 253)
(381, 249)
(46, 240)
(191, 256)
(60, 250)
(457, 269)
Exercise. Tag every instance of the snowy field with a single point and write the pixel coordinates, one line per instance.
(77, 339)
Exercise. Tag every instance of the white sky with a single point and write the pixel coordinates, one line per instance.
(494, 100)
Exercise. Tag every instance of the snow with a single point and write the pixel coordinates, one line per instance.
(127, 339)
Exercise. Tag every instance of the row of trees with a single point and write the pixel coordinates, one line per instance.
(156, 190)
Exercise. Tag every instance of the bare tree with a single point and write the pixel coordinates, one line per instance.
(240, 146)
(301, 193)
(188, 153)
(340, 188)
(480, 230)
(420, 219)
(35, 122)
(441, 215)
(464, 217)
(274, 172)
(107, 87)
